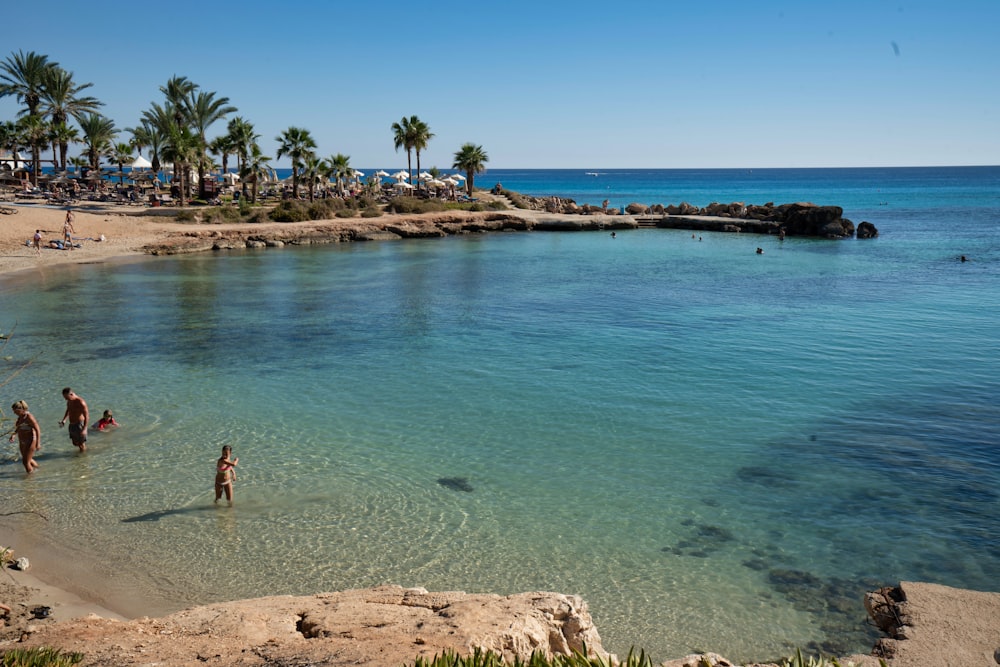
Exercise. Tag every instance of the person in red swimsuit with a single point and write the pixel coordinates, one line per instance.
(225, 474)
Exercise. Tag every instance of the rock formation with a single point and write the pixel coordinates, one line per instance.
(387, 626)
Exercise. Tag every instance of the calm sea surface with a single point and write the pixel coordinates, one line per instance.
(718, 450)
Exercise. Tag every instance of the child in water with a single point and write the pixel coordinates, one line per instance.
(106, 421)
(225, 474)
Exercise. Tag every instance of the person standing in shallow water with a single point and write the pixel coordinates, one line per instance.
(78, 415)
(225, 474)
(28, 434)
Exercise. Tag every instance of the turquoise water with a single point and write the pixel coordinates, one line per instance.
(707, 444)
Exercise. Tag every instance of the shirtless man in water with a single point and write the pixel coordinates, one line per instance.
(78, 417)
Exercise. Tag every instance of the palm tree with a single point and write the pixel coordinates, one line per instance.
(61, 101)
(202, 110)
(471, 159)
(78, 163)
(11, 137)
(338, 167)
(148, 135)
(421, 135)
(62, 136)
(255, 167)
(312, 171)
(243, 137)
(98, 133)
(36, 133)
(119, 154)
(402, 137)
(296, 143)
(222, 146)
(183, 148)
(23, 75)
(177, 91)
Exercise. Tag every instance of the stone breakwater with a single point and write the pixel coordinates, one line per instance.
(788, 219)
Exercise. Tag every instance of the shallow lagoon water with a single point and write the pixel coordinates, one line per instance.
(707, 444)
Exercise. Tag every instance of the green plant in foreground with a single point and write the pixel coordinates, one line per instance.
(39, 657)
(798, 661)
(480, 658)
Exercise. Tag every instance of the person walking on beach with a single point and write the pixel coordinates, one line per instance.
(77, 414)
(28, 434)
(37, 239)
(225, 474)
(68, 229)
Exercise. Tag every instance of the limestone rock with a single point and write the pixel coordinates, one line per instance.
(385, 626)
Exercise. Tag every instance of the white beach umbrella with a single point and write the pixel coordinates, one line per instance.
(436, 183)
(424, 176)
(403, 186)
(399, 175)
(141, 163)
(381, 172)
(458, 177)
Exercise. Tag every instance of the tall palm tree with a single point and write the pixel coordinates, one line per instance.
(177, 90)
(338, 167)
(296, 143)
(421, 136)
(61, 100)
(402, 137)
(98, 133)
(312, 170)
(243, 137)
(471, 159)
(255, 168)
(23, 75)
(183, 148)
(202, 110)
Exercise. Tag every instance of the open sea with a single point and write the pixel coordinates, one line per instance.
(717, 450)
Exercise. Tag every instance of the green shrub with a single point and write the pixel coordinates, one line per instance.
(371, 212)
(245, 207)
(185, 215)
(258, 216)
(346, 213)
(289, 211)
(517, 199)
(39, 657)
(415, 205)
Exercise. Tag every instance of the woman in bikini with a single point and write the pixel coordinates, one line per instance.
(28, 434)
(225, 474)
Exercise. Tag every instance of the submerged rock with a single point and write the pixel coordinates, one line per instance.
(456, 484)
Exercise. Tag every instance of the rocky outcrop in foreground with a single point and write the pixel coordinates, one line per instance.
(928, 625)
(388, 626)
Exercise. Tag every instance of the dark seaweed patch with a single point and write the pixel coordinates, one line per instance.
(456, 484)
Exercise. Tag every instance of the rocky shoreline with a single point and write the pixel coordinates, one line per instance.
(389, 626)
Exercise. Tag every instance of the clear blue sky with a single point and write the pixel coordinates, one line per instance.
(633, 83)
